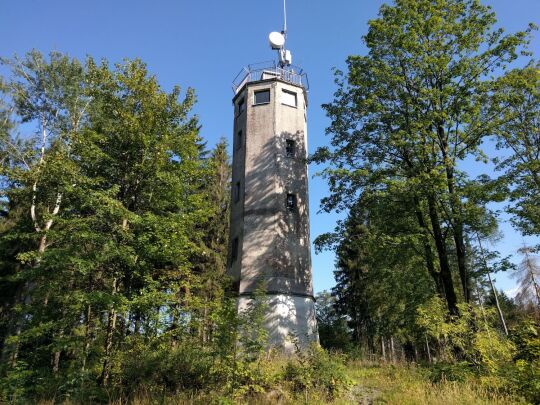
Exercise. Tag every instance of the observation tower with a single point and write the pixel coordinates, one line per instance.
(269, 234)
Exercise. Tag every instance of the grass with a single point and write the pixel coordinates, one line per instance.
(373, 383)
(409, 384)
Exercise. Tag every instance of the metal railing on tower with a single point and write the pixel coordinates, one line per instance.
(270, 70)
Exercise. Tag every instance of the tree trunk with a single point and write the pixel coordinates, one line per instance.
(461, 261)
(428, 252)
(392, 350)
(446, 275)
(87, 336)
(428, 350)
(111, 326)
(457, 223)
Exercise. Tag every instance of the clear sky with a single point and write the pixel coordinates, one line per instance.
(204, 43)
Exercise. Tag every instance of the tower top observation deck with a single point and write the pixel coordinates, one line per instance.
(270, 70)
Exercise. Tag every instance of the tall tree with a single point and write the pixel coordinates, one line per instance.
(381, 277)
(48, 95)
(210, 260)
(411, 111)
(118, 193)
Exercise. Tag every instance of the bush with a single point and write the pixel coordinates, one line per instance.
(320, 369)
(441, 372)
(525, 373)
(152, 368)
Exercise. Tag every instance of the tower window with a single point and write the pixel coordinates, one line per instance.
(234, 250)
(290, 148)
(241, 106)
(236, 192)
(291, 202)
(239, 140)
(289, 98)
(262, 97)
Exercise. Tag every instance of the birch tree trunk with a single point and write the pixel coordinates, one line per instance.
(392, 349)
(428, 350)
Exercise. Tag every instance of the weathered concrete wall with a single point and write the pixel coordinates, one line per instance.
(273, 241)
(289, 318)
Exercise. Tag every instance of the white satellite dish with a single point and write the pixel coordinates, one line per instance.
(276, 39)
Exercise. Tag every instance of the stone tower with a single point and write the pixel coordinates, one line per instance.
(269, 234)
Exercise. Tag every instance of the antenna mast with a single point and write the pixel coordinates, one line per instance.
(284, 32)
(277, 41)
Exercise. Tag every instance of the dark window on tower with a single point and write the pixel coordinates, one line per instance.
(291, 202)
(241, 106)
(290, 148)
(262, 97)
(239, 139)
(236, 192)
(234, 250)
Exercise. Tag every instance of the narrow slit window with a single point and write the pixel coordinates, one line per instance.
(241, 106)
(290, 148)
(239, 140)
(234, 250)
(236, 192)
(262, 97)
(289, 98)
(291, 202)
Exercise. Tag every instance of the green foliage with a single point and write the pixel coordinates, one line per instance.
(114, 225)
(112, 207)
(405, 116)
(506, 365)
(334, 333)
(519, 92)
(460, 371)
(525, 373)
(470, 337)
(155, 366)
(319, 369)
(431, 90)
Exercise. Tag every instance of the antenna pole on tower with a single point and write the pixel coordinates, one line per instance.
(277, 41)
(285, 18)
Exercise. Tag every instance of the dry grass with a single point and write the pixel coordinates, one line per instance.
(407, 384)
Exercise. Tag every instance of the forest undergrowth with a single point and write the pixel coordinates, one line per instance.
(367, 382)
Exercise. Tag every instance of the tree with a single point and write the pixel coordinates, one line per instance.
(528, 275)
(410, 111)
(516, 102)
(49, 95)
(380, 275)
(210, 260)
(332, 327)
(104, 217)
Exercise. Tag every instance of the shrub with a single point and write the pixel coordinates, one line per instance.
(318, 368)
(525, 373)
(441, 372)
(153, 368)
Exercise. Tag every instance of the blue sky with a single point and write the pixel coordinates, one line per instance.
(203, 44)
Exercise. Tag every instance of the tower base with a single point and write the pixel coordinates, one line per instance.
(289, 319)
